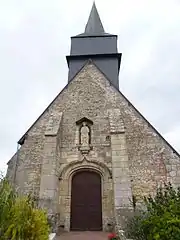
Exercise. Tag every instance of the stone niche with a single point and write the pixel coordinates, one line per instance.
(84, 135)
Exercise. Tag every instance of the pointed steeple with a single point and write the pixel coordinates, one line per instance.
(94, 25)
(95, 44)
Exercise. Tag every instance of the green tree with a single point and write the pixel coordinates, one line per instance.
(161, 220)
(19, 217)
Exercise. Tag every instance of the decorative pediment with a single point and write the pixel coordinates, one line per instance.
(84, 119)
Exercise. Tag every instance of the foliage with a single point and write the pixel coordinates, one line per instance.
(7, 197)
(19, 217)
(134, 227)
(161, 220)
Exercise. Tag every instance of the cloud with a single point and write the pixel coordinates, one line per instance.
(35, 38)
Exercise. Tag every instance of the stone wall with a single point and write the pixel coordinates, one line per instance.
(137, 156)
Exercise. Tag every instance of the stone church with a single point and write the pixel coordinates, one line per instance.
(91, 152)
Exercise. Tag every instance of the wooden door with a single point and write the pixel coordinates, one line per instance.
(86, 203)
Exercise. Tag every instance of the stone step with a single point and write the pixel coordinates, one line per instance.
(83, 236)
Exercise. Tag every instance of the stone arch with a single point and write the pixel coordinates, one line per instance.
(100, 167)
(65, 182)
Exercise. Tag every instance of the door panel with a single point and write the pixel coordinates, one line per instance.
(86, 203)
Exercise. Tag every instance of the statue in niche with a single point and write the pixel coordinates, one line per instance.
(84, 135)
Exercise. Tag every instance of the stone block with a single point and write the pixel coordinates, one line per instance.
(49, 193)
(120, 163)
(120, 187)
(120, 142)
(49, 182)
(118, 172)
(49, 170)
(117, 147)
(121, 202)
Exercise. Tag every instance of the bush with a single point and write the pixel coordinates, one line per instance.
(134, 228)
(161, 220)
(19, 218)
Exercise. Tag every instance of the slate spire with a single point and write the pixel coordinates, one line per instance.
(94, 25)
(95, 44)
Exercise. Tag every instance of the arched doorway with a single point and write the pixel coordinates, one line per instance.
(86, 202)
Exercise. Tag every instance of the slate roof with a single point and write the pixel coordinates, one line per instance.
(94, 26)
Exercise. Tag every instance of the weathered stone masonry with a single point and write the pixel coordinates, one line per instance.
(129, 154)
(91, 126)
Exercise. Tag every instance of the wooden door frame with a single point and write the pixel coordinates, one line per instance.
(101, 193)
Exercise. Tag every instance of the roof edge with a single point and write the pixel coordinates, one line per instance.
(91, 56)
(22, 139)
(82, 35)
(156, 131)
(88, 61)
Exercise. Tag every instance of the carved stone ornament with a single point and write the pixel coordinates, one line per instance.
(85, 138)
(84, 135)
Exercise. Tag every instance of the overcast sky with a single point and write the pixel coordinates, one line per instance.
(35, 38)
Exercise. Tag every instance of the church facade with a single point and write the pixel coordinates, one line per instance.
(91, 152)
